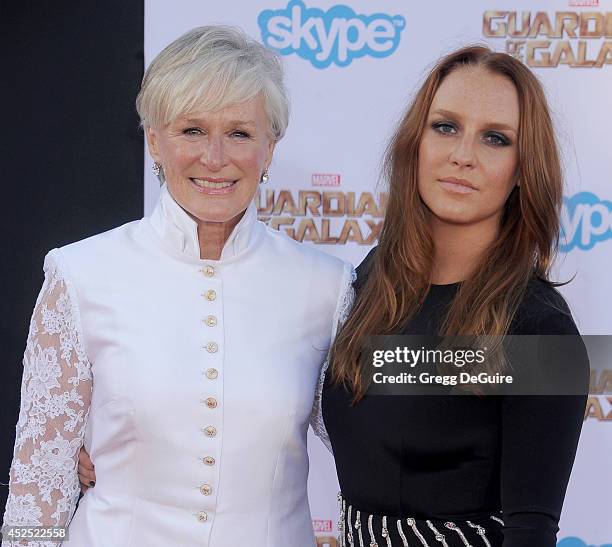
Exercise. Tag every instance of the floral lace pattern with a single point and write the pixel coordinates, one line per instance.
(345, 303)
(55, 398)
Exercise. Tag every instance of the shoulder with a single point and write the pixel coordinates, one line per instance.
(301, 255)
(543, 310)
(109, 238)
(364, 269)
(561, 351)
(314, 272)
(95, 252)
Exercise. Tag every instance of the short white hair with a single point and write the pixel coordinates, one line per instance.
(210, 68)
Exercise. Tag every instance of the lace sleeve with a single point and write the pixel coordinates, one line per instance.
(345, 303)
(55, 398)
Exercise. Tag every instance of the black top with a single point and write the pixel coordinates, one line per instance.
(462, 457)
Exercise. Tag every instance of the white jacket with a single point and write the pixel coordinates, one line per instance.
(189, 381)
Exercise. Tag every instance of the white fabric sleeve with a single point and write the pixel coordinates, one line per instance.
(343, 307)
(55, 399)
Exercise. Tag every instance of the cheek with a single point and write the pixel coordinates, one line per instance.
(250, 160)
(429, 157)
(501, 172)
(431, 154)
(177, 157)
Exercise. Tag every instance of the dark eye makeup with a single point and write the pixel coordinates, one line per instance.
(442, 127)
(491, 137)
(497, 139)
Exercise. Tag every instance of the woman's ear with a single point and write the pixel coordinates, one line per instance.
(152, 143)
(271, 146)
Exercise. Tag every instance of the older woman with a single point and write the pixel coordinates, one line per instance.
(182, 350)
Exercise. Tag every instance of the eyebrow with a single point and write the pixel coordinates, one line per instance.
(492, 125)
(238, 123)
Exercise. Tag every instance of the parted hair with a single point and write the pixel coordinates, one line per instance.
(209, 68)
(400, 272)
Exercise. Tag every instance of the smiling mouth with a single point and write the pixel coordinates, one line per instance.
(217, 185)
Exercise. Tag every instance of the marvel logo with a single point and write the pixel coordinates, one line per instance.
(325, 179)
(584, 3)
(322, 525)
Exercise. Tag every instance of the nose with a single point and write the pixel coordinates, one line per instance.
(213, 155)
(462, 154)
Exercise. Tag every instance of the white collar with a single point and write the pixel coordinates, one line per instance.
(174, 226)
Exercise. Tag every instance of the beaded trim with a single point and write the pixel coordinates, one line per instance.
(346, 536)
(385, 532)
(371, 532)
(412, 523)
(358, 528)
(400, 531)
(437, 534)
(349, 532)
(342, 505)
(455, 528)
(497, 519)
(480, 531)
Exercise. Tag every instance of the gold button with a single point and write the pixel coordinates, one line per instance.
(212, 347)
(209, 460)
(212, 373)
(211, 321)
(202, 516)
(210, 431)
(210, 295)
(208, 271)
(206, 489)
(211, 402)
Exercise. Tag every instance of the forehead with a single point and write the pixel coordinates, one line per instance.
(251, 111)
(479, 95)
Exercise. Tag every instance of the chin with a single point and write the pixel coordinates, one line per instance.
(453, 217)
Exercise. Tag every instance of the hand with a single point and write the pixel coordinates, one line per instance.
(87, 474)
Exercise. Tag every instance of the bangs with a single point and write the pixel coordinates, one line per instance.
(206, 90)
(208, 69)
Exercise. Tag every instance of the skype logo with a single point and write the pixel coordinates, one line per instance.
(336, 36)
(585, 221)
(577, 542)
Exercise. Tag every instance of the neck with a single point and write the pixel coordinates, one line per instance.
(212, 237)
(459, 247)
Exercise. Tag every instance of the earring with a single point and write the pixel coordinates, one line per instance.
(158, 171)
(264, 177)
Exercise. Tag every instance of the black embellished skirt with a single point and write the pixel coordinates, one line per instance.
(361, 529)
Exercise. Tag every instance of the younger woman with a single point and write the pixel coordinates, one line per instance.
(468, 241)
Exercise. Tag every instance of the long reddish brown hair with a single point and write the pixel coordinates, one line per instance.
(399, 277)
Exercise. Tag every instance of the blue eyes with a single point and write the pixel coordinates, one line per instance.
(491, 137)
(195, 131)
(241, 134)
(442, 127)
(191, 131)
(497, 139)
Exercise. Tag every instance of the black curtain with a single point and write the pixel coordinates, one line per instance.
(71, 152)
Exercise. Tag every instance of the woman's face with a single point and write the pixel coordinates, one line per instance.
(468, 154)
(213, 161)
